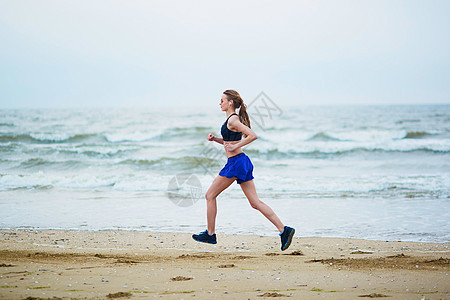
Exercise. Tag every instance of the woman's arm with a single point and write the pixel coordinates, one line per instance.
(236, 125)
(218, 140)
(250, 137)
(215, 139)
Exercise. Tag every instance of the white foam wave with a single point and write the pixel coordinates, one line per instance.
(336, 136)
(120, 182)
(43, 179)
(401, 145)
(52, 136)
(369, 135)
(132, 136)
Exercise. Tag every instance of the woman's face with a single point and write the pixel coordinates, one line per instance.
(224, 103)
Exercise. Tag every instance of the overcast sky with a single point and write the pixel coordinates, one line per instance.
(143, 53)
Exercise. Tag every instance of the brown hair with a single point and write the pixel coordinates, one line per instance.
(239, 103)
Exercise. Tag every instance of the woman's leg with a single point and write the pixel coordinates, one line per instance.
(219, 184)
(250, 192)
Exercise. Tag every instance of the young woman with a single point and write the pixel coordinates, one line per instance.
(239, 168)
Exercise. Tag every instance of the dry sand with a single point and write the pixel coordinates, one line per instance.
(132, 264)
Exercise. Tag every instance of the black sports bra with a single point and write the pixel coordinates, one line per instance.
(229, 135)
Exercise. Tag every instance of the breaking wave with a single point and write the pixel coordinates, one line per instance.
(46, 138)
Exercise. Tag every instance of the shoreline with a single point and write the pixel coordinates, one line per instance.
(73, 264)
(274, 235)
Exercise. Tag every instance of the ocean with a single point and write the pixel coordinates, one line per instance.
(371, 172)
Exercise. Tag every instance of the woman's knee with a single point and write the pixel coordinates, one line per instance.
(209, 196)
(256, 204)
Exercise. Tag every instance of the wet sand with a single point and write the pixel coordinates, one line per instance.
(131, 264)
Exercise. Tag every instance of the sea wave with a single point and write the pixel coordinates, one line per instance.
(46, 137)
(136, 136)
(315, 151)
(322, 136)
(44, 179)
(188, 133)
(193, 132)
(180, 163)
(123, 182)
(41, 163)
(63, 152)
(270, 185)
(96, 151)
(370, 135)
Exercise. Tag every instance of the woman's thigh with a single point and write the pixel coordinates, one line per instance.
(219, 184)
(249, 189)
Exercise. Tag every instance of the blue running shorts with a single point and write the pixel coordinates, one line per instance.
(238, 166)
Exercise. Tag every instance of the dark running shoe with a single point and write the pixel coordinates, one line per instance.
(204, 237)
(286, 237)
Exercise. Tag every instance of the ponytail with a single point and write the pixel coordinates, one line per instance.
(243, 116)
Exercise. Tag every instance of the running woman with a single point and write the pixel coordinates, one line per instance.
(239, 168)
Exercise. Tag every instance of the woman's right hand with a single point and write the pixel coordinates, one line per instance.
(210, 137)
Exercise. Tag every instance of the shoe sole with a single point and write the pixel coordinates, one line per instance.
(289, 241)
(204, 241)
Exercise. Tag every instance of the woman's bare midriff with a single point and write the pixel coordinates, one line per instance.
(232, 153)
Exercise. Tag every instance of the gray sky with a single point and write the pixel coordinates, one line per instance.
(118, 53)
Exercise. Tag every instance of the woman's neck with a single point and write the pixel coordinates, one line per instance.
(230, 112)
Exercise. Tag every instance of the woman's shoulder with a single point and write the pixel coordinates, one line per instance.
(233, 118)
(234, 123)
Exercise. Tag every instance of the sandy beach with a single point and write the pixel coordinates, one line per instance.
(136, 264)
